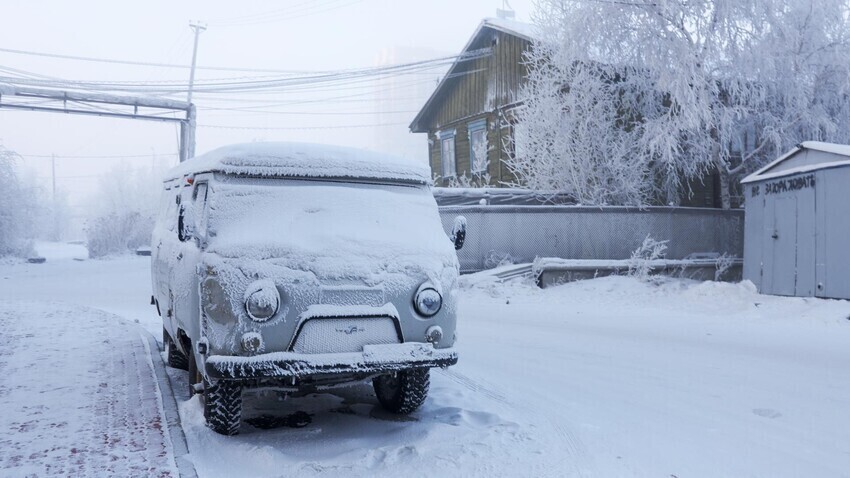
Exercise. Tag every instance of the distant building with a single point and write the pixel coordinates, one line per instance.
(469, 118)
(396, 96)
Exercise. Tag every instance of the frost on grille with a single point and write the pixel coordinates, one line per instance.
(352, 296)
(344, 335)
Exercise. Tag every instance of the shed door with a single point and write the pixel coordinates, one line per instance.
(780, 259)
(806, 243)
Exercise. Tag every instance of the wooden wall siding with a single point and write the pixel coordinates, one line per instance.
(495, 86)
(480, 95)
(462, 150)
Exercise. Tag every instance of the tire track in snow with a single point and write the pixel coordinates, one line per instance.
(475, 386)
(576, 456)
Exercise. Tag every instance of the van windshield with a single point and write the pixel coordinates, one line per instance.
(324, 217)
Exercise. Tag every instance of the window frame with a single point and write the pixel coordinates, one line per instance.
(475, 127)
(444, 136)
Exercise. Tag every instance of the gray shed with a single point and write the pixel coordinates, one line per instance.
(797, 224)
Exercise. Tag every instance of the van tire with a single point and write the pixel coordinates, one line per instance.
(176, 358)
(223, 406)
(404, 391)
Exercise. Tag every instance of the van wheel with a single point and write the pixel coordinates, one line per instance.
(404, 391)
(176, 358)
(223, 406)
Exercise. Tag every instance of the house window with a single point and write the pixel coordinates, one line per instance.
(478, 146)
(447, 153)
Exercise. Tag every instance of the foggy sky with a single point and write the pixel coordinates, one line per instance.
(298, 35)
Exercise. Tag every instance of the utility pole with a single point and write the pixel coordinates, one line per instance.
(198, 28)
(187, 127)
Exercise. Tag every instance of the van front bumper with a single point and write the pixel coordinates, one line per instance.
(373, 359)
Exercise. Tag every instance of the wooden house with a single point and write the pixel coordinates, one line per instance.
(469, 119)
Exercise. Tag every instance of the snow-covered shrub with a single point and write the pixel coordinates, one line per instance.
(498, 259)
(118, 233)
(17, 208)
(642, 258)
(122, 211)
(465, 181)
(626, 101)
(722, 264)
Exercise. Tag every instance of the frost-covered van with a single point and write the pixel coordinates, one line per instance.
(300, 268)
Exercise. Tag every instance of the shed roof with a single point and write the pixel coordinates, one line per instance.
(522, 30)
(280, 159)
(838, 155)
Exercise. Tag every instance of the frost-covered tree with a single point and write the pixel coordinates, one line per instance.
(626, 100)
(17, 205)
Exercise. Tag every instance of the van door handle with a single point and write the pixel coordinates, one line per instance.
(180, 256)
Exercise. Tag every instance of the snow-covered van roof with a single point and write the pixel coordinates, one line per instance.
(280, 159)
(798, 161)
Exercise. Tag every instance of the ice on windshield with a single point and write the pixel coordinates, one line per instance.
(285, 217)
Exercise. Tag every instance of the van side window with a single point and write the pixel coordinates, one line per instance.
(200, 195)
(171, 213)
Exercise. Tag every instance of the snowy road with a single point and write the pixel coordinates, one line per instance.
(608, 377)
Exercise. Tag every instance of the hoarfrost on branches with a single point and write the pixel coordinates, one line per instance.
(628, 100)
(723, 264)
(18, 208)
(641, 261)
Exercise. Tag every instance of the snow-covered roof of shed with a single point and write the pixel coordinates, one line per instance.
(770, 171)
(280, 159)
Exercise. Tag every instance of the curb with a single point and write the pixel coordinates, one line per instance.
(169, 404)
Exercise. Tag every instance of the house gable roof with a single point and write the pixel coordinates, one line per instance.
(522, 30)
(839, 155)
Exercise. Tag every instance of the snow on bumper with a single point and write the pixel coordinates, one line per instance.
(373, 359)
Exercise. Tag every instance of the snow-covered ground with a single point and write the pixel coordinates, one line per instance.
(608, 377)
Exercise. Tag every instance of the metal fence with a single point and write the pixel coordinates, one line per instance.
(516, 234)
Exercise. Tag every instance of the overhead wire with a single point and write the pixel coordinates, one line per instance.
(231, 85)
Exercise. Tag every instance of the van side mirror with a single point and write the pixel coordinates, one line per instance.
(186, 223)
(459, 232)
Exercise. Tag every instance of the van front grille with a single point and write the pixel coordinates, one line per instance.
(337, 335)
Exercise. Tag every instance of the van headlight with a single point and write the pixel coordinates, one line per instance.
(262, 300)
(427, 301)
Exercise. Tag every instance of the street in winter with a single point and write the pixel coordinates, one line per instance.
(367, 238)
(607, 377)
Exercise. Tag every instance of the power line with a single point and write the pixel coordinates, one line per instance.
(290, 81)
(140, 63)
